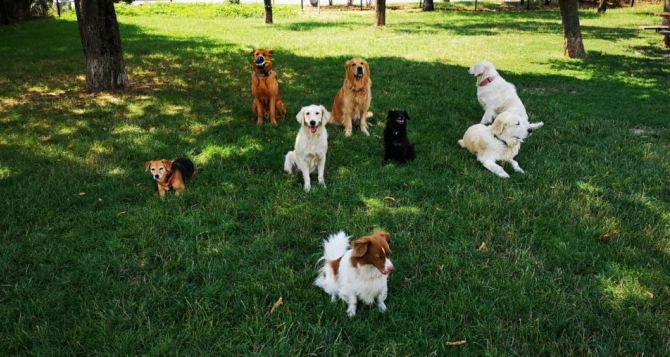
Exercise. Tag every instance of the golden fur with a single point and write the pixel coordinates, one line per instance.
(353, 99)
(265, 90)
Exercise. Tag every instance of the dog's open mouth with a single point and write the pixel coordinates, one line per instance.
(313, 129)
(384, 271)
(400, 121)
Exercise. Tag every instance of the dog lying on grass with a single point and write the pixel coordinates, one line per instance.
(170, 174)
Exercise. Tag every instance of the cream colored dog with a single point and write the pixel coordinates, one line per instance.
(311, 144)
(495, 94)
(498, 142)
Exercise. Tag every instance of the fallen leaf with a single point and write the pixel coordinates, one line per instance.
(389, 198)
(121, 213)
(483, 247)
(277, 304)
(650, 294)
(605, 237)
(82, 193)
(456, 343)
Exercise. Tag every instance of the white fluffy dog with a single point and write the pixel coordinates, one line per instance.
(311, 144)
(356, 272)
(498, 142)
(495, 94)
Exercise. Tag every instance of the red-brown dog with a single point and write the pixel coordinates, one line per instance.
(170, 175)
(265, 88)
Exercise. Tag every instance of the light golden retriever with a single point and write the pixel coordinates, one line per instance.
(500, 141)
(353, 100)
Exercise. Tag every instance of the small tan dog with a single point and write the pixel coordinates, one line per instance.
(265, 88)
(500, 141)
(170, 175)
(353, 100)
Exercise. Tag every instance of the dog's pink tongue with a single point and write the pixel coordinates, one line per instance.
(313, 130)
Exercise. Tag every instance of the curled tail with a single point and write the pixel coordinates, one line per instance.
(335, 246)
(333, 249)
(460, 142)
(185, 166)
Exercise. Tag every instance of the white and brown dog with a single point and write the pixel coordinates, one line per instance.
(311, 145)
(495, 94)
(356, 271)
(498, 142)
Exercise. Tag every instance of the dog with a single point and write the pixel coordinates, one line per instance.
(500, 141)
(265, 88)
(311, 145)
(396, 144)
(495, 94)
(353, 99)
(359, 271)
(170, 174)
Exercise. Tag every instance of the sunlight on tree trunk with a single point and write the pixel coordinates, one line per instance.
(573, 46)
(101, 41)
(268, 11)
(428, 5)
(602, 7)
(380, 13)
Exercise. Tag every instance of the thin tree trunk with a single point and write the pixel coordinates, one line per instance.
(380, 13)
(4, 15)
(428, 5)
(573, 46)
(268, 11)
(666, 21)
(602, 7)
(101, 41)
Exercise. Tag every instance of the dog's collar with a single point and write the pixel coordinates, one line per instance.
(501, 140)
(486, 81)
(264, 74)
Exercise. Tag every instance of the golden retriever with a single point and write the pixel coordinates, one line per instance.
(265, 88)
(353, 100)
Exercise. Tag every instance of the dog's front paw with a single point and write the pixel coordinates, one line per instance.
(347, 133)
(502, 174)
(365, 131)
(351, 311)
(307, 187)
(382, 307)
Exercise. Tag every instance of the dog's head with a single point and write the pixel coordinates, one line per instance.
(313, 117)
(483, 69)
(511, 128)
(159, 169)
(397, 119)
(262, 59)
(373, 250)
(357, 71)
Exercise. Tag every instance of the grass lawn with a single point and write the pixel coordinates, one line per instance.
(92, 261)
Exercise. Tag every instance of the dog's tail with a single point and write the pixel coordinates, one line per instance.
(185, 166)
(461, 143)
(289, 162)
(335, 246)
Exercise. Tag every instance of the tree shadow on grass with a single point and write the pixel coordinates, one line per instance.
(242, 222)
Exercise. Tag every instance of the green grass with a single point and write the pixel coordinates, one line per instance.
(91, 261)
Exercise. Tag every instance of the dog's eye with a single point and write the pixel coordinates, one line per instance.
(519, 123)
(161, 169)
(307, 113)
(316, 113)
(152, 169)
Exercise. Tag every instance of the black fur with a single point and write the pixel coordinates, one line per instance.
(185, 166)
(396, 143)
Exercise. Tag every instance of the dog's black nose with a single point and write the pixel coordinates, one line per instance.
(359, 70)
(156, 176)
(312, 123)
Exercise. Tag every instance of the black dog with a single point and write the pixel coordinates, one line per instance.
(396, 144)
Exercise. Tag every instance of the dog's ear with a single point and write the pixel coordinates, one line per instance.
(498, 126)
(360, 247)
(326, 114)
(270, 52)
(384, 235)
(167, 164)
(301, 115)
(147, 165)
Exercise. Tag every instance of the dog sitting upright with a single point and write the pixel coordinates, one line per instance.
(396, 143)
(359, 271)
(170, 175)
(311, 144)
(265, 88)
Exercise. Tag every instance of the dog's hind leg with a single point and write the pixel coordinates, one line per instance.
(281, 109)
(516, 167)
(495, 168)
(289, 162)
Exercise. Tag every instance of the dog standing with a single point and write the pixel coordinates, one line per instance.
(396, 143)
(311, 145)
(265, 88)
(352, 101)
(495, 94)
(500, 141)
(359, 271)
(170, 175)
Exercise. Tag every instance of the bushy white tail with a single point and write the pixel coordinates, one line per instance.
(461, 143)
(335, 246)
(289, 162)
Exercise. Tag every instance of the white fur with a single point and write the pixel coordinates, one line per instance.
(309, 153)
(481, 140)
(497, 96)
(353, 283)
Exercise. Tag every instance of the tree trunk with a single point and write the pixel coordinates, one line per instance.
(573, 46)
(380, 12)
(4, 15)
(268, 11)
(428, 5)
(602, 7)
(666, 21)
(101, 41)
